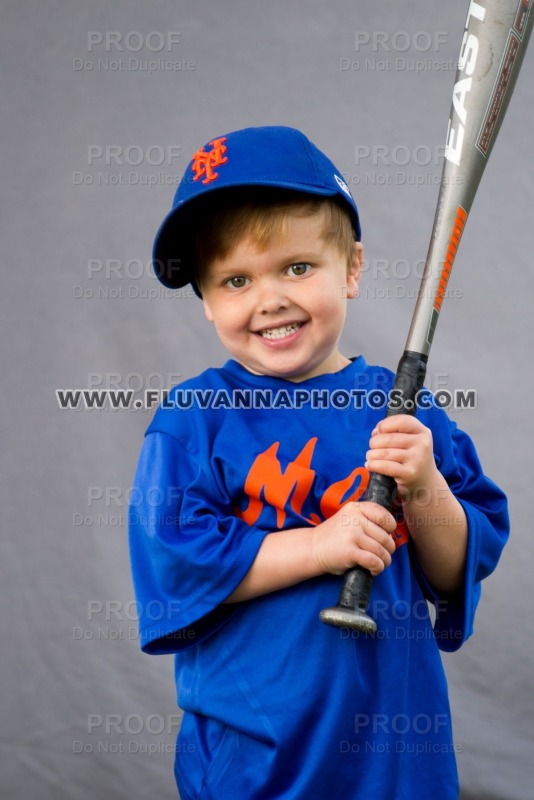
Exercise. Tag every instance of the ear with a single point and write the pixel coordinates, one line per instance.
(207, 311)
(355, 270)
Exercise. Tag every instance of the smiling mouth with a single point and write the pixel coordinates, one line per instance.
(281, 332)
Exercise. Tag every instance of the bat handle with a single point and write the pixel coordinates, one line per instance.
(351, 609)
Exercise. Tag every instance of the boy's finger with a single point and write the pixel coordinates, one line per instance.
(386, 454)
(370, 545)
(371, 562)
(379, 516)
(379, 536)
(402, 440)
(399, 470)
(401, 423)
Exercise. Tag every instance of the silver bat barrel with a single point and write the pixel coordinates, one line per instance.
(492, 50)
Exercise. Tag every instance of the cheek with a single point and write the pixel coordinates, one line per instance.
(330, 302)
(230, 321)
(207, 312)
(334, 312)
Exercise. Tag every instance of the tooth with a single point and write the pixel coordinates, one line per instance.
(281, 332)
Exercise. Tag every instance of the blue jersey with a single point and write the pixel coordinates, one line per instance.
(277, 705)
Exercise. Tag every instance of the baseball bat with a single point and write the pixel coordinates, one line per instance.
(492, 49)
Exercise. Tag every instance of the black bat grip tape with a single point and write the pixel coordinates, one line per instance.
(358, 581)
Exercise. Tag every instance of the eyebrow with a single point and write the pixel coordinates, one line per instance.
(296, 257)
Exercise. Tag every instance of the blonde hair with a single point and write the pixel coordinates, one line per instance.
(262, 215)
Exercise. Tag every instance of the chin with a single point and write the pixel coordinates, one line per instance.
(297, 373)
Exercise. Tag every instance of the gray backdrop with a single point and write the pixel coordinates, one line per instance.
(94, 138)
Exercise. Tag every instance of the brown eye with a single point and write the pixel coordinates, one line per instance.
(297, 270)
(237, 282)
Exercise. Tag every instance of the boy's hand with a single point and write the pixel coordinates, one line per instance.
(401, 447)
(359, 533)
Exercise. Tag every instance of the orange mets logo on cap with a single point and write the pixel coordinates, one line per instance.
(204, 162)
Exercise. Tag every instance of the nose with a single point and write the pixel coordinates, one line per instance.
(271, 297)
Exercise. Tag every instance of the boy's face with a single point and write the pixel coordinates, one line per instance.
(280, 310)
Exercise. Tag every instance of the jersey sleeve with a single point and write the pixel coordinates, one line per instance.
(486, 509)
(188, 550)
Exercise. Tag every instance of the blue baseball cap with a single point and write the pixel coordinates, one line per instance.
(271, 156)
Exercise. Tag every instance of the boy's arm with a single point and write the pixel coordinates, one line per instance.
(439, 533)
(359, 533)
(402, 447)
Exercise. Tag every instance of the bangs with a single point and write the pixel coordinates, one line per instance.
(262, 216)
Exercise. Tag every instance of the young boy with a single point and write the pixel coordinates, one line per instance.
(258, 469)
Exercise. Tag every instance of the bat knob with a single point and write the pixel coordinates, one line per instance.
(354, 619)
(353, 603)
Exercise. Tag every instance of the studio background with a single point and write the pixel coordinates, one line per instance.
(103, 106)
